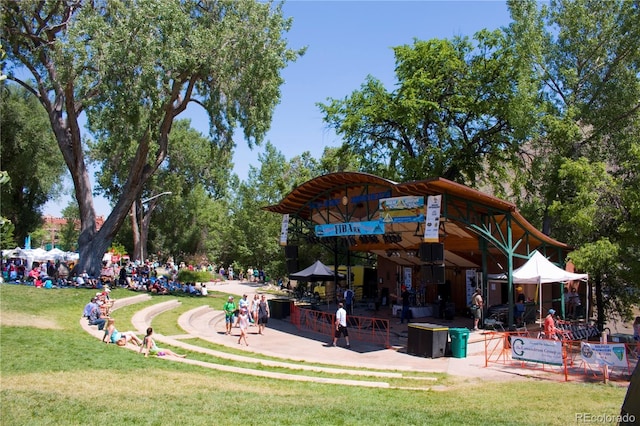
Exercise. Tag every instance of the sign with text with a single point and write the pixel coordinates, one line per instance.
(536, 350)
(401, 209)
(372, 227)
(284, 230)
(601, 354)
(432, 221)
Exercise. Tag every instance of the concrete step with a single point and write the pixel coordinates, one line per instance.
(141, 320)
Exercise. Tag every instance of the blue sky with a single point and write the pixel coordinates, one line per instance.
(346, 41)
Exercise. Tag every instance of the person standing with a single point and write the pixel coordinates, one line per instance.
(243, 323)
(348, 300)
(254, 308)
(341, 325)
(476, 307)
(263, 314)
(229, 309)
(405, 295)
(550, 329)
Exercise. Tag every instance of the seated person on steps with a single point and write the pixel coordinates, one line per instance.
(112, 335)
(149, 347)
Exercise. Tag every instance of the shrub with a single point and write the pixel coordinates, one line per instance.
(187, 276)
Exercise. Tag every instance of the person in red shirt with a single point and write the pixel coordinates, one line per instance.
(550, 329)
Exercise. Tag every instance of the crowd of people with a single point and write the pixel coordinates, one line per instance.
(151, 277)
(41, 274)
(247, 313)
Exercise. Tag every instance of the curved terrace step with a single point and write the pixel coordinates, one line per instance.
(141, 320)
(197, 322)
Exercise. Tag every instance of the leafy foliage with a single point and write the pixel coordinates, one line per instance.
(29, 157)
(457, 112)
(134, 75)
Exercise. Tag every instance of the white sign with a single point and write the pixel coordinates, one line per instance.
(284, 230)
(432, 221)
(407, 277)
(600, 354)
(545, 351)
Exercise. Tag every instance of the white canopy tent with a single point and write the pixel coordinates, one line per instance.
(539, 270)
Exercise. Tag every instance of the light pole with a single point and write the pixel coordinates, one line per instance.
(142, 203)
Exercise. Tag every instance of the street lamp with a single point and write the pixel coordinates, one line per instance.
(142, 203)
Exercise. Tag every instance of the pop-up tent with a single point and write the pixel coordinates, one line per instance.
(539, 270)
(316, 272)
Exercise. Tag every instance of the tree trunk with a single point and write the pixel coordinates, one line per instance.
(599, 303)
(135, 230)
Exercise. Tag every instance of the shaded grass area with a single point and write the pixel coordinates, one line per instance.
(53, 373)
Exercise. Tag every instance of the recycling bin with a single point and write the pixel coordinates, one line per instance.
(459, 341)
(427, 340)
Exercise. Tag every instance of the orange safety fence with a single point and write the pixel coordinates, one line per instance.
(570, 358)
(364, 329)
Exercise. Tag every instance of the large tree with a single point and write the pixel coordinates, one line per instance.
(584, 176)
(29, 157)
(134, 66)
(456, 112)
(195, 164)
(252, 237)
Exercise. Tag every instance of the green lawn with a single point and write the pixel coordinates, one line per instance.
(53, 373)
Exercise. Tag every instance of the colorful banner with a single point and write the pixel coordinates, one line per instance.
(601, 354)
(372, 227)
(401, 209)
(284, 230)
(432, 222)
(545, 351)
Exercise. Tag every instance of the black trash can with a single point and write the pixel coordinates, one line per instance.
(427, 340)
(279, 308)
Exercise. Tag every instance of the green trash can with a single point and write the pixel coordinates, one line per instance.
(459, 340)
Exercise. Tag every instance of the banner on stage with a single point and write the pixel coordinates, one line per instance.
(284, 230)
(432, 222)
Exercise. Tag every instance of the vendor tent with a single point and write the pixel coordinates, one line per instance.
(316, 272)
(539, 270)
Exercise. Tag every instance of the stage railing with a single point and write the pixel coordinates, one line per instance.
(364, 329)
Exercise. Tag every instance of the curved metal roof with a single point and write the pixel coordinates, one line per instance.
(460, 200)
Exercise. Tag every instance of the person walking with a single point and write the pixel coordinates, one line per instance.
(253, 310)
(263, 314)
(341, 325)
(243, 323)
(476, 307)
(229, 309)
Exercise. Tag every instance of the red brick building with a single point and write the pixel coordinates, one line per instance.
(54, 225)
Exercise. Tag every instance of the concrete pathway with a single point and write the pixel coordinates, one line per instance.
(291, 347)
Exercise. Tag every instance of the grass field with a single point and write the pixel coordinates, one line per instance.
(54, 373)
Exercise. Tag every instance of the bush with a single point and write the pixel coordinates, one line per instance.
(187, 276)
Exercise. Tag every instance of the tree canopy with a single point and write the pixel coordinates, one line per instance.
(30, 158)
(134, 66)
